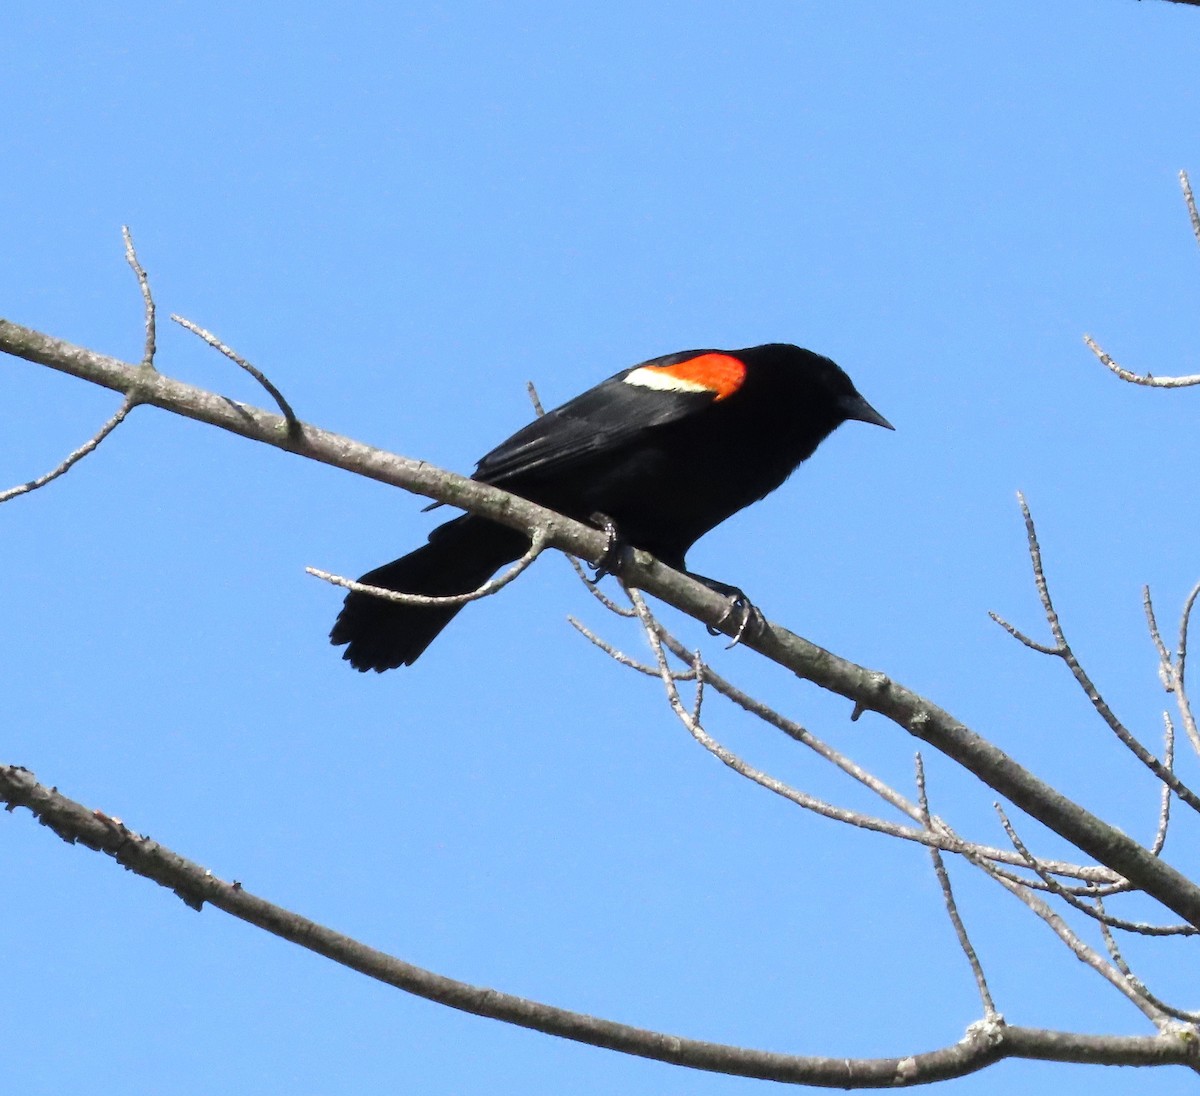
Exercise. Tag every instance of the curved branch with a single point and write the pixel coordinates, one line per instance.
(238, 360)
(1146, 380)
(869, 690)
(983, 1044)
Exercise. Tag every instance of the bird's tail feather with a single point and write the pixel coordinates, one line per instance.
(460, 556)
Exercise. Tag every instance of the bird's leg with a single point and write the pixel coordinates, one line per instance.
(750, 618)
(615, 547)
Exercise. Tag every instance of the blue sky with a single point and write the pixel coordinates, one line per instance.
(402, 214)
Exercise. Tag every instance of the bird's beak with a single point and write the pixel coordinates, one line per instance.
(855, 407)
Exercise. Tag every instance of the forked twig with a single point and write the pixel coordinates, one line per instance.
(593, 588)
(1085, 954)
(1142, 928)
(1062, 650)
(127, 404)
(670, 677)
(727, 757)
(943, 836)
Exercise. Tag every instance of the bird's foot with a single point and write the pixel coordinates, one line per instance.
(749, 618)
(615, 547)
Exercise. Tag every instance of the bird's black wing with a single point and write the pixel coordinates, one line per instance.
(600, 420)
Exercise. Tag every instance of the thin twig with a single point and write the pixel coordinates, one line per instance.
(1135, 983)
(620, 656)
(1021, 637)
(792, 729)
(1184, 624)
(147, 299)
(538, 409)
(593, 588)
(1084, 953)
(1164, 806)
(698, 670)
(490, 587)
(1193, 216)
(744, 768)
(82, 827)
(960, 930)
(1062, 649)
(293, 423)
(952, 843)
(1171, 668)
(1147, 380)
(1182, 700)
(1166, 670)
(75, 457)
(1142, 928)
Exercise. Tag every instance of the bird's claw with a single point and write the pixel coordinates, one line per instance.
(613, 556)
(751, 622)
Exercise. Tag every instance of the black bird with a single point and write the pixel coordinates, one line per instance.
(666, 450)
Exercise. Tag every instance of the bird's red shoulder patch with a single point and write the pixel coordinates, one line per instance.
(721, 374)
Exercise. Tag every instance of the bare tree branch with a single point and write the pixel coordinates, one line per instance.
(949, 840)
(1062, 649)
(1082, 951)
(742, 767)
(1146, 379)
(1172, 669)
(866, 689)
(195, 885)
(618, 656)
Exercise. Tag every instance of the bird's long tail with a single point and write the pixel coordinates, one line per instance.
(460, 556)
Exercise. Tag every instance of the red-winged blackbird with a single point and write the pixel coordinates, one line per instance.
(667, 450)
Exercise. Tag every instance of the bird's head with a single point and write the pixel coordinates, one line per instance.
(815, 382)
